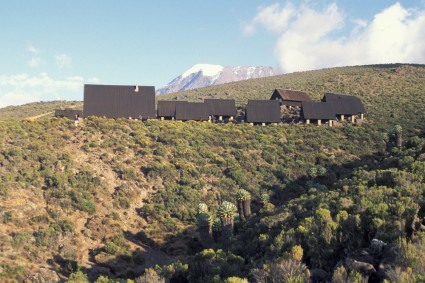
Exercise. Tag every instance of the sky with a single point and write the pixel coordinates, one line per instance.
(50, 48)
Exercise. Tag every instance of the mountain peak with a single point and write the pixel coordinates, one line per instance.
(207, 70)
(203, 75)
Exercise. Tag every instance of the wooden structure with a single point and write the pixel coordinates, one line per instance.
(68, 113)
(319, 112)
(117, 101)
(289, 97)
(167, 109)
(192, 111)
(262, 111)
(346, 105)
(221, 108)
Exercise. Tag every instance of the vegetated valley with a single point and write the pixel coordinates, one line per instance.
(164, 201)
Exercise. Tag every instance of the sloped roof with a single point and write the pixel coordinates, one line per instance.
(293, 95)
(345, 104)
(263, 111)
(167, 108)
(115, 101)
(192, 111)
(318, 110)
(221, 107)
(68, 112)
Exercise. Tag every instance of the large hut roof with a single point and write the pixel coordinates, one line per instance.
(345, 104)
(119, 101)
(292, 95)
(263, 111)
(167, 108)
(318, 110)
(192, 111)
(221, 107)
(68, 113)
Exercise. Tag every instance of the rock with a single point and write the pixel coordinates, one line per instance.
(364, 256)
(389, 253)
(44, 275)
(363, 267)
(376, 247)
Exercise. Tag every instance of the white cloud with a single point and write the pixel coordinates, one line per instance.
(271, 17)
(63, 61)
(35, 60)
(23, 88)
(31, 49)
(308, 38)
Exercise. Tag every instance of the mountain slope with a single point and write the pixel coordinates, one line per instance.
(202, 75)
(115, 195)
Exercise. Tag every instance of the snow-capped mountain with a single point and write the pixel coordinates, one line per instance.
(202, 75)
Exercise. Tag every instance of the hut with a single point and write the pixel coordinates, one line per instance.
(262, 111)
(221, 108)
(289, 97)
(68, 113)
(119, 101)
(318, 111)
(346, 105)
(167, 109)
(192, 111)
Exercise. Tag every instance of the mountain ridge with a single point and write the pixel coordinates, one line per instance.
(203, 75)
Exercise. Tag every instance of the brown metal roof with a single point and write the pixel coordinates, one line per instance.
(291, 95)
(167, 108)
(116, 101)
(318, 110)
(68, 113)
(262, 111)
(221, 107)
(192, 111)
(345, 104)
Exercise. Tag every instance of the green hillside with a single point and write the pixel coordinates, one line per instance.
(392, 94)
(121, 199)
(36, 108)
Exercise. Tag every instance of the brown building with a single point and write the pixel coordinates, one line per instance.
(345, 105)
(68, 113)
(167, 109)
(319, 112)
(118, 101)
(262, 111)
(192, 111)
(221, 108)
(288, 97)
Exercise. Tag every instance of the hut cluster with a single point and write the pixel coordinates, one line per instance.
(289, 106)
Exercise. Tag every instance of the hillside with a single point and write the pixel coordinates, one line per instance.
(113, 197)
(392, 94)
(36, 108)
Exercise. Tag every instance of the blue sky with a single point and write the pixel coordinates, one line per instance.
(50, 48)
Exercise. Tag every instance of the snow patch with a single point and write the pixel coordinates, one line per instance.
(207, 70)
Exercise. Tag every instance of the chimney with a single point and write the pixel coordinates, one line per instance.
(136, 88)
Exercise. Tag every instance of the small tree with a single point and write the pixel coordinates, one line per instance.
(398, 135)
(216, 230)
(226, 213)
(204, 222)
(244, 203)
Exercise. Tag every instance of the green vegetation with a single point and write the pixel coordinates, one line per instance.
(123, 199)
(36, 108)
